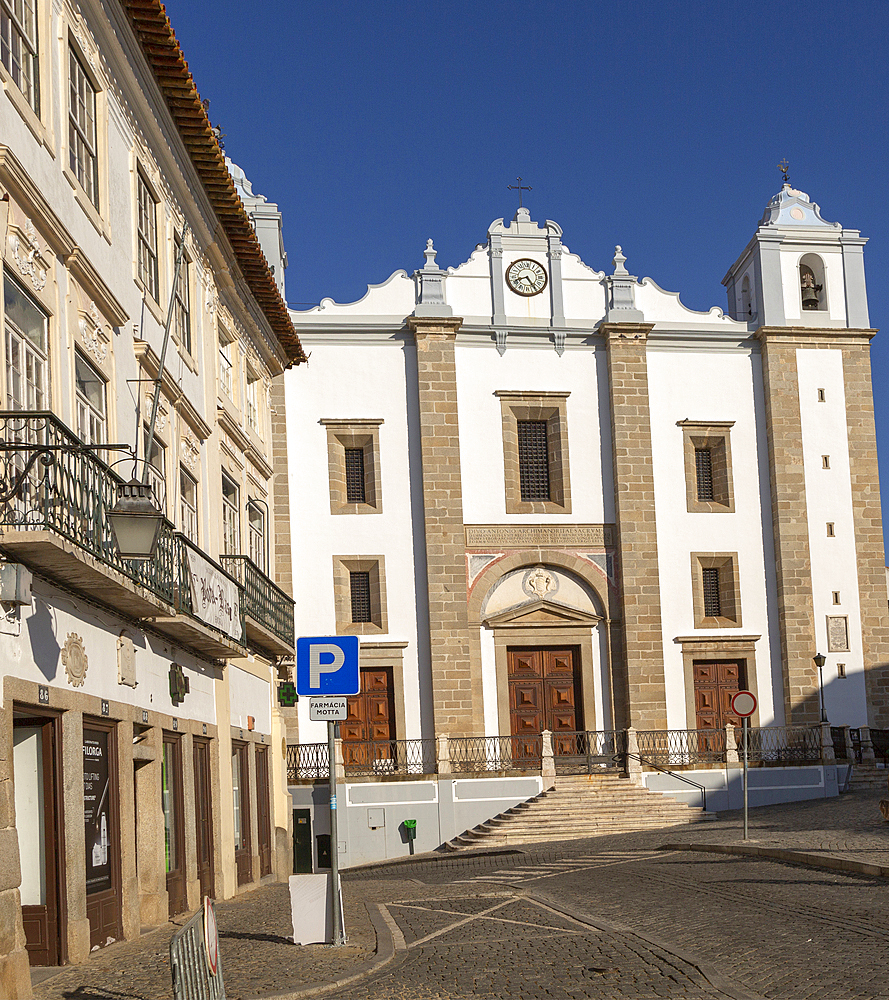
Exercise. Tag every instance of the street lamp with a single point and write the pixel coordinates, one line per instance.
(820, 660)
(135, 520)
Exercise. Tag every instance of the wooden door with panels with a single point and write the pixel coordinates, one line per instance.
(715, 684)
(203, 816)
(369, 730)
(544, 693)
(36, 774)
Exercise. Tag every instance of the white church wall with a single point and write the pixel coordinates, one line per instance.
(480, 373)
(468, 288)
(583, 292)
(489, 682)
(722, 389)
(829, 499)
(371, 385)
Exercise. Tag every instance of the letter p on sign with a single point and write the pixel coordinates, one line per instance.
(327, 665)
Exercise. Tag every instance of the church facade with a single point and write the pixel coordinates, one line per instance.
(547, 497)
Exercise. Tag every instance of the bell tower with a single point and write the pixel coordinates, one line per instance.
(799, 270)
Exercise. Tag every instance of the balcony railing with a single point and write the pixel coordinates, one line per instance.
(267, 604)
(70, 493)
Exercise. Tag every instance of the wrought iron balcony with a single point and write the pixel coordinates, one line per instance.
(266, 605)
(56, 523)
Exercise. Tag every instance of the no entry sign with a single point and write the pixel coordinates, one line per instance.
(744, 703)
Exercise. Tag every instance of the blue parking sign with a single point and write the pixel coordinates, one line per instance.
(327, 665)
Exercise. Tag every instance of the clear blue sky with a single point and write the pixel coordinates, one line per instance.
(656, 125)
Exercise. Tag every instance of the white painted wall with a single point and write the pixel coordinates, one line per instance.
(249, 695)
(723, 387)
(371, 384)
(829, 498)
(480, 373)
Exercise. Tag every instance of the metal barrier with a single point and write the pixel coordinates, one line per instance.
(587, 752)
(783, 744)
(197, 972)
(477, 754)
(682, 746)
(374, 757)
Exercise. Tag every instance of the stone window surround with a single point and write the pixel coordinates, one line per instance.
(712, 434)
(551, 407)
(360, 433)
(731, 648)
(376, 567)
(729, 589)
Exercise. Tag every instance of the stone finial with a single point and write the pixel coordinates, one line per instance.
(430, 253)
(619, 261)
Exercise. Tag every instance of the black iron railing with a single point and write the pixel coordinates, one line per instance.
(782, 744)
(582, 752)
(306, 761)
(69, 492)
(682, 746)
(266, 603)
(389, 757)
(477, 754)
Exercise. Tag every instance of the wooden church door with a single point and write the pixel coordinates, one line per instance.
(544, 693)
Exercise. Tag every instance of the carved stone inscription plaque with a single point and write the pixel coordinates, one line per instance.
(519, 536)
(837, 634)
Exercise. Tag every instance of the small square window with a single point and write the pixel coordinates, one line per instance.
(830, 530)
(836, 597)
(535, 452)
(825, 461)
(708, 466)
(821, 396)
(353, 456)
(841, 670)
(360, 595)
(716, 589)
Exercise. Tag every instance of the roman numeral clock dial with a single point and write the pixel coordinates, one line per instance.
(526, 277)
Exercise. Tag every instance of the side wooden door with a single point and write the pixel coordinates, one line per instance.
(263, 811)
(203, 808)
(715, 685)
(369, 730)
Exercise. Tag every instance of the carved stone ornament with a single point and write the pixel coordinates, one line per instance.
(74, 659)
(28, 256)
(211, 296)
(126, 660)
(538, 583)
(91, 334)
(162, 413)
(191, 450)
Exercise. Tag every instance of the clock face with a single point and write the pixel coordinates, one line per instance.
(526, 277)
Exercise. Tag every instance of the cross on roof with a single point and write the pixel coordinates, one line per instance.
(519, 187)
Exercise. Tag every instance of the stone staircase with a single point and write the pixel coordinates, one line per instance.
(869, 777)
(581, 805)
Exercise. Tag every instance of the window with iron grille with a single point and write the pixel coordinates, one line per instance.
(712, 603)
(82, 148)
(147, 261)
(533, 460)
(359, 589)
(355, 481)
(18, 46)
(704, 473)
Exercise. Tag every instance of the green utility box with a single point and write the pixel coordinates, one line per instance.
(410, 826)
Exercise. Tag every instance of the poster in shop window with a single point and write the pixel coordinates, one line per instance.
(96, 810)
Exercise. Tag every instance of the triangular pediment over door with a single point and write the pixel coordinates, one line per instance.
(542, 613)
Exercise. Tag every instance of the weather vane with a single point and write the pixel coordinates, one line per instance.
(519, 187)
(784, 166)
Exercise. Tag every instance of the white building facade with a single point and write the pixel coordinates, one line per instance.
(553, 498)
(140, 739)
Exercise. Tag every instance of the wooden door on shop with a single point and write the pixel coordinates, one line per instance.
(263, 814)
(36, 773)
(101, 834)
(174, 827)
(544, 693)
(370, 718)
(715, 684)
(203, 816)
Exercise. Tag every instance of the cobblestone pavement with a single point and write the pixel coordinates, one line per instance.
(602, 917)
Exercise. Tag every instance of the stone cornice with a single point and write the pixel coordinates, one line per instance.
(422, 326)
(835, 335)
(625, 331)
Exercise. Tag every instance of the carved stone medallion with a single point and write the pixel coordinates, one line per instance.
(74, 659)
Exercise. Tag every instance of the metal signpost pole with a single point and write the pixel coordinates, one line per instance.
(746, 731)
(334, 847)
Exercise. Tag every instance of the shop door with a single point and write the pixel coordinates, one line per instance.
(263, 817)
(715, 684)
(544, 693)
(174, 834)
(369, 730)
(203, 816)
(35, 773)
(241, 802)
(102, 832)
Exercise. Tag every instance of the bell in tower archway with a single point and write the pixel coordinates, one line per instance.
(809, 287)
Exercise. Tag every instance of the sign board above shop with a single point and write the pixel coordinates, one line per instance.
(214, 595)
(323, 708)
